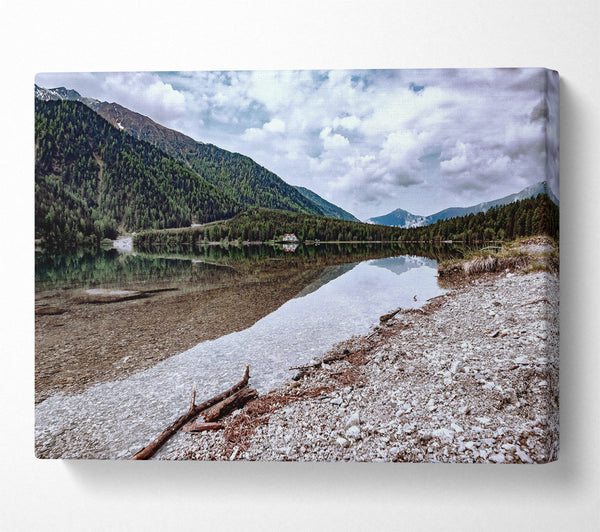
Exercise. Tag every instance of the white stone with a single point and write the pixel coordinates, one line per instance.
(445, 435)
(353, 432)
(408, 428)
(457, 365)
(405, 408)
(353, 420)
(498, 458)
(524, 456)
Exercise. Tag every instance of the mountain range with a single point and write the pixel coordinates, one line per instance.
(238, 176)
(404, 219)
(101, 168)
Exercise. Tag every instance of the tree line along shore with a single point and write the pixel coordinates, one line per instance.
(528, 217)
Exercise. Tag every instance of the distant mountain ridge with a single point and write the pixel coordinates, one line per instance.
(135, 124)
(238, 176)
(61, 93)
(399, 218)
(405, 219)
(329, 209)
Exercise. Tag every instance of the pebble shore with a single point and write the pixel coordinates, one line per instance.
(470, 377)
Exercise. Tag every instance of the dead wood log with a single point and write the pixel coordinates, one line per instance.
(192, 399)
(229, 404)
(388, 317)
(201, 427)
(543, 300)
(149, 450)
(326, 360)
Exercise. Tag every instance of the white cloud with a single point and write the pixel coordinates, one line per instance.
(347, 122)
(371, 141)
(456, 162)
(147, 93)
(336, 141)
(275, 126)
(253, 134)
(401, 152)
(332, 141)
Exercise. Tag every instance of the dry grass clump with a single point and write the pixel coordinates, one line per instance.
(478, 264)
(526, 255)
(490, 264)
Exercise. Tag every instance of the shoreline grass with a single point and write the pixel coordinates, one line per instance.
(526, 255)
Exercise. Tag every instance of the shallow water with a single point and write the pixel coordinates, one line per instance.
(115, 420)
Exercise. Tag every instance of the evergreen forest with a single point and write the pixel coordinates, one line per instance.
(533, 216)
(92, 180)
(237, 175)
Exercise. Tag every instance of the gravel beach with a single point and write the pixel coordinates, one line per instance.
(470, 377)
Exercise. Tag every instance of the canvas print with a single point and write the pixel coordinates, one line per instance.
(337, 265)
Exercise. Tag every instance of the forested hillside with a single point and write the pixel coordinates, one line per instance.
(92, 179)
(240, 177)
(243, 179)
(534, 216)
(329, 209)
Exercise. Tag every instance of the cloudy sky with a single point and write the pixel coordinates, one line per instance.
(370, 141)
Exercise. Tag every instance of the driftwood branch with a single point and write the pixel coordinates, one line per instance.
(543, 300)
(150, 450)
(229, 404)
(201, 427)
(388, 317)
(326, 360)
(192, 399)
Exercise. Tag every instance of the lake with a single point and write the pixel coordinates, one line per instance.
(332, 301)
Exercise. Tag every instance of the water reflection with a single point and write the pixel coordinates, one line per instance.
(400, 265)
(116, 419)
(111, 268)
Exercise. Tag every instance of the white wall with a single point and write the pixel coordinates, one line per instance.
(157, 35)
